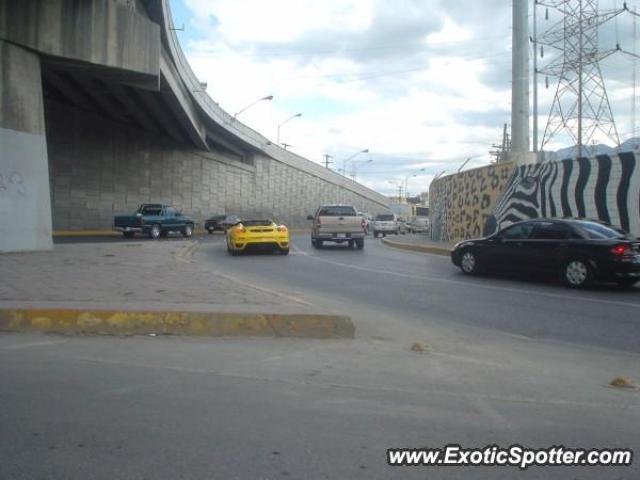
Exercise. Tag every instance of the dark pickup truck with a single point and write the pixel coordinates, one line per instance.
(155, 220)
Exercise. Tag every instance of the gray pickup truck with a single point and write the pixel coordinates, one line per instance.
(155, 220)
(338, 224)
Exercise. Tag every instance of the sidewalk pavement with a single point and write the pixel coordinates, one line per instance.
(154, 279)
(418, 242)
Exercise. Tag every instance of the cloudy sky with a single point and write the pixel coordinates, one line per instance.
(421, 84)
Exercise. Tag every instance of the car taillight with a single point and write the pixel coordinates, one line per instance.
(318, 222)
(621, 250)
(281, 228)
(241, 229)
(364, 224)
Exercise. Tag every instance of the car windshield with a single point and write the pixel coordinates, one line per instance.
(384, 218)
(337, 211)
(597, 231)
(150, 210)
(257, 223)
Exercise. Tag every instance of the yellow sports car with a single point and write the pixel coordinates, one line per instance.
(257, 235)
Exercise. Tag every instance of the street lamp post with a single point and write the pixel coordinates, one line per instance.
(354, 167)
(268, 97)
(344, 162)
(406, 181)
(290, 118)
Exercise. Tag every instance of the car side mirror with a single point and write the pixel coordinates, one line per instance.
(309, 217)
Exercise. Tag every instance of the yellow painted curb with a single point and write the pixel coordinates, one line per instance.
(418, 248)
(213, 324)
(85, 233)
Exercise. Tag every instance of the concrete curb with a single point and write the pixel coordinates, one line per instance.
(212, 324)
(418, 248)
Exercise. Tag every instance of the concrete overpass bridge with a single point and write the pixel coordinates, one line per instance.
(100, 111)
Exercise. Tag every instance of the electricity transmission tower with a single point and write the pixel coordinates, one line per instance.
(580, 106)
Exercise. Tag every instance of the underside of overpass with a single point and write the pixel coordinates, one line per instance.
(100, 111)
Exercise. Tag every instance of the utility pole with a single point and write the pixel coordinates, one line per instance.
(520, 78)
(535, 79)
(326, 160)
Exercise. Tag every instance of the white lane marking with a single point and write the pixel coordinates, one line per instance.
(470, 284)
(44, 343)
(245, 283)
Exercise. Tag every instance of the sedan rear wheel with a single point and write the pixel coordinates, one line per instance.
(577, 273)
(469, 262)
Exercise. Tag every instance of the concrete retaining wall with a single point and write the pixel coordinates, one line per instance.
(100, 167)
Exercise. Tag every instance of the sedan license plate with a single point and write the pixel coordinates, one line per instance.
(342, 235)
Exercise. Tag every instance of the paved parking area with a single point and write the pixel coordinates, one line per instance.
(139, 274)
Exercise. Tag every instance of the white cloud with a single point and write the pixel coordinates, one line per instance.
(415, 82)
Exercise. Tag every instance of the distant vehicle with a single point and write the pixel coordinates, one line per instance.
(418, 225)
(367, 221)
(220, 222)
(257, 235)
(578, 251)
(385, 223)
(338, 224)
(155, 220)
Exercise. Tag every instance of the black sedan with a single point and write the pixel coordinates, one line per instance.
(220, 222)
(579, 251)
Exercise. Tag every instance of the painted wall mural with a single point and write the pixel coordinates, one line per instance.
(460, 205)
(606, 188)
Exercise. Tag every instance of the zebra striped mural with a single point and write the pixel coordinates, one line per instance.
(606, 188)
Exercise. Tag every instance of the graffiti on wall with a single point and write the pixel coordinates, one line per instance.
(606, 188)
(461, 204)
(12, 183)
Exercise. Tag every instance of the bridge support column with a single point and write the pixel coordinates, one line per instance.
(25, 200)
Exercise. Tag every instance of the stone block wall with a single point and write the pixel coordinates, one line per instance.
(99, 168)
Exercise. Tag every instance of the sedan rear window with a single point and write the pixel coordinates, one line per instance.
(597, 231)
(384, 218)
(337, 211)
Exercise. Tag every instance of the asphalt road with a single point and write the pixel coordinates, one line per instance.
(506, 361)
(427, 290)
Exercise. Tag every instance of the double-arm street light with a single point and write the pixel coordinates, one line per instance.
(344, 162)
(354, 167)
(268, 97)
(290, 118)
(406, 181)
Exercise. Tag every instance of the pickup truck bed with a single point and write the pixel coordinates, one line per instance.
(338, 224)
(154, 220)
